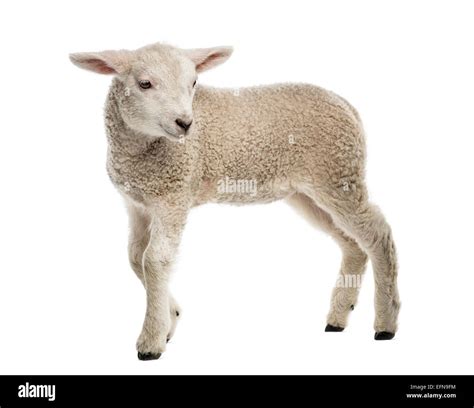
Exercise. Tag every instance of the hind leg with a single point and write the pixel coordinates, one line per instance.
(351, 212)
(354, 261)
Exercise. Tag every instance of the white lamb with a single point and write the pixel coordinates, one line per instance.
(174, 145)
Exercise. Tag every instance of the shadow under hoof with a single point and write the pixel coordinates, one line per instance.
(331, 328)
(148, 356)
(383, 335)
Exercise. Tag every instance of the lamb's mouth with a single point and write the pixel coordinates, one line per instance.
(172, 136)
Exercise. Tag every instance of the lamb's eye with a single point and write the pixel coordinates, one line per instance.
(194, 83)
(144, 84)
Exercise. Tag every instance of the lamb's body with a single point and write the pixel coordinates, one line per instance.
(292, 141)
(282, 137)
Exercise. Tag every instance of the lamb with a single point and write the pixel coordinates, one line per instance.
(173, 144)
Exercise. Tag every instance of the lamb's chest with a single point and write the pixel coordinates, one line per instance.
(126, 182)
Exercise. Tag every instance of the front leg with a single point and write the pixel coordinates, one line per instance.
(165, 232)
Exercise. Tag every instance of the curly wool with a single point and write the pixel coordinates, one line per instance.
(280, 136)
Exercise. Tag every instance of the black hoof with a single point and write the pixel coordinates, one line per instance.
(383, 335)
(148, 356)
(352, 307)
(331, 328)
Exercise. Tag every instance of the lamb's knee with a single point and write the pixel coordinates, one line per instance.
(137, 267)
(135, 258)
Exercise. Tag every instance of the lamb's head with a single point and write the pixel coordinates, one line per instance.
(158, 83)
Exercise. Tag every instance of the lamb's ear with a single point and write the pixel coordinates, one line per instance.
(207, 58)
(105, 62)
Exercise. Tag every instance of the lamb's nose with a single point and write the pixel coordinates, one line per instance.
(184, 125)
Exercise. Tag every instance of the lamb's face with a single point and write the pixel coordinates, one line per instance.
(159, 91)
(158, 82)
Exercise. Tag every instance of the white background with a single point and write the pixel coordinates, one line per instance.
(254, 282)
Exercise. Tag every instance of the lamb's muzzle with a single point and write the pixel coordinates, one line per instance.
(185, 125)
